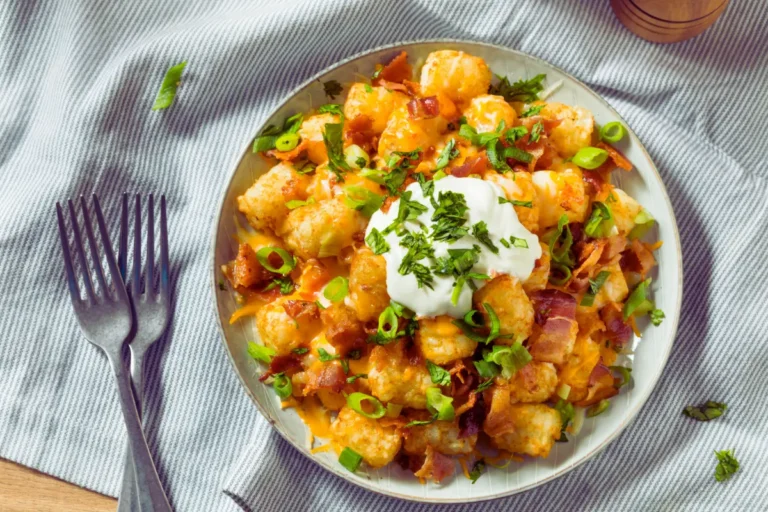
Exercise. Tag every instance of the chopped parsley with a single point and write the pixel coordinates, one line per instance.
(449, 153)
(332, 88)
(377, 242)
(480, 231)
(707, 411)
(515, 133)
(525, 91)
(449, 217)
(484, 385)
(427, 186)
(727, 465)
(331, 108)
(285, 284)
(418, 248)
(532, 111)
(325, 356)
(353, 378)
(560, 243)
(334, 146)
(513, 202)
(600, 221)
(536, 132)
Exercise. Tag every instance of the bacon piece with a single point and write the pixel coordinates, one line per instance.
(553, 303)
(413, 88)
(409, 462)
(476, 165)
(615, 155)
(392, 86)
(614, 246)
(359, 131)
(286, 156)
(593, 180)
(553, 341)
(423, 108)
(498, 421)
(247, 271)
(342, 328)
(602, 385)
(327, 376)
(471, 422)
(589, 255)
(467, 405)
(281, 364)
(638, 258)
(397, 70)
(436, 466)
(617, 330)
(301, 310)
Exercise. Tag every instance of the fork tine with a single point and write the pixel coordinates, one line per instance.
(149, 288)
(94, 249)
(136, 279)
(117, 280)
(74, 291)
(164, 266)
(81, 252)
(122, 253)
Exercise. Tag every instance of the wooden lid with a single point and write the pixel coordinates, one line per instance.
(664, 21)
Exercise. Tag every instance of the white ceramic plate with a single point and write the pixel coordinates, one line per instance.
(650, 356)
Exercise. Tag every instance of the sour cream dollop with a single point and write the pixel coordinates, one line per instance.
(482, 198)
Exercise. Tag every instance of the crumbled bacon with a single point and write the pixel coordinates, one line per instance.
(281, 364)
(553, 341)
(358, 130)
(397, 70)
(328, 376)
(593, 180)
(423, 108)
(342, 328)
(638, 258)
(476, 165)
(471, 422)
(247, 271)
(614, 154)
(301, 310)
(553, 303)
(436, 466)
(617, 330)
(602, 385)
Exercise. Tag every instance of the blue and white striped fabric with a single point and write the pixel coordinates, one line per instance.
(77, 83)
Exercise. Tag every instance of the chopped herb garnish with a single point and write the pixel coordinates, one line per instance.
(560, 244)
(368, 89)
(525, 91)
(657, 316)
(477, 470)
(332, 138)
(521, 243)
(438, 374)
(282, 385)
(513, 202)
(260, 352)
(332, 88)
(707, 411)
(449, 217)
(288, 261)
(306, 167)
(300, 351)
(285, 284)
(594, 287)
(480, 231)
(567, 413)
(449, 153)
(418, 248)
(597, 409)
(600, 222)
(421, 423)
(345, 366)
(510, 358)
(350, 459)
(626, 374)
(515, 133)
(296, 203)
(267, 139)
(532, 111)
(484, 385)
(167, 91)
(517, 154)
(504, 243)
(377, 242)
(319, 304)
(727, 465)
(638, 303)
(536, 132)
(353, 378)
(331, 108)
(354, 355)
(440, 405)
(427, 186)
(325, 356)
(361, 199)
(469, 332)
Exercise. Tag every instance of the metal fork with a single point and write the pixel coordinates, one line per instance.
(106, 322)
(151, 309)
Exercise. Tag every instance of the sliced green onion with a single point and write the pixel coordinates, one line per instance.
(468, 332)
(355, 155)
(474, 318)
(590, 158)
(597, 409)
(477, 470)
(637, 301)
(439, 404)
(375, 175)
(401, 310)
(567, 414)
(486, 369)
(626, 374)
(355, 402)
(564, 271)
(336, 289)
(350, 459)
(287, 141)
(282, 385)
(362, 199)
(600, 221)
(643, 223)
(510, 358)
(325, 356)
(438, 374)
(393, 410)
(613, 132)
(439, 175)
(260, 352)
(296, 203)
(167, 91)
(289, 262)
(594, 287)
(563, 390)
(495, 324)
(388, 324)
(521, 243)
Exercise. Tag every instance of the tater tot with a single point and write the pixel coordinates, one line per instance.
(574, 131)
(456, 74)
(534, 383)
(375, 103)
(377, 444)
(311, 131)
(560, 192)
(264, 203)
(403, 133)
(540, 276)
(614, 289)
(321, 229)
(368, 284)
(443, 436)
(441, 341)
(625, 209)
(486, 112)
(518, 186)
(393, 378)
(279, 331)
(506, 296)
(534, 429)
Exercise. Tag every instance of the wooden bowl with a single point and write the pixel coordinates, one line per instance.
(668, 21)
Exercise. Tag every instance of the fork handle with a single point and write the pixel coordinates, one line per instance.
(128, 500)
(151, 496)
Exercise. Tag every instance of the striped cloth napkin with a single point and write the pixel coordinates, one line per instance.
(78, 83)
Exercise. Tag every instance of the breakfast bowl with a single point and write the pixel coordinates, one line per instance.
(593, 426)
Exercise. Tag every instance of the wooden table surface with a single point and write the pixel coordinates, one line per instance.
(26, 490)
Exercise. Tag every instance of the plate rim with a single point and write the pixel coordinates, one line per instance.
(362, 482)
